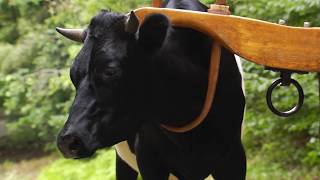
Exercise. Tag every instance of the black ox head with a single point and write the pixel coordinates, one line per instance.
(108, 74)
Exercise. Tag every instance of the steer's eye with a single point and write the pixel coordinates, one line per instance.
(109, 72)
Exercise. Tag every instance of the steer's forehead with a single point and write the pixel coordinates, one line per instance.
(107, 24)
(110, 39)
(107, 42)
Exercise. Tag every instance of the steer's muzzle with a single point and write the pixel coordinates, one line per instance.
(72, 146)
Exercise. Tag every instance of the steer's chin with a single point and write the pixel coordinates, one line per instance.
(78, 155)
(84, 155)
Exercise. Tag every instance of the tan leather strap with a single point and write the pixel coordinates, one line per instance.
(212, 79)
(212, 82)
(212, 76)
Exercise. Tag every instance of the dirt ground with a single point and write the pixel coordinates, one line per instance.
(23, 164)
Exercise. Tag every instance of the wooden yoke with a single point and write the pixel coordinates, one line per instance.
(261, 42)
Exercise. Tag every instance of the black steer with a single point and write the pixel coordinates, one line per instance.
(130, 79)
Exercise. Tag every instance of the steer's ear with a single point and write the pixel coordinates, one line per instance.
(153, 31)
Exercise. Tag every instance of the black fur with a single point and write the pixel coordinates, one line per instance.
(129, 84)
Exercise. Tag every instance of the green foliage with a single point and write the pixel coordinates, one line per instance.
(295, 11)
(35, 88)
(284, 140)
(39, 115)
(36, 92)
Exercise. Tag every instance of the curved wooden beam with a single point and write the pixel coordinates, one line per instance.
(258, 41)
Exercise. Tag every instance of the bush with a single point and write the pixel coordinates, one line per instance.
(34, 118)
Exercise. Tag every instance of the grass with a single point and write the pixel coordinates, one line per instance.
(102, 167)
(32, 165)
(261, 169)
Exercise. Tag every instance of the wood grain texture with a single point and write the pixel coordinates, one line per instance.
(258, 41)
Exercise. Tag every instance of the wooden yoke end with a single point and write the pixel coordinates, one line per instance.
(220, 7)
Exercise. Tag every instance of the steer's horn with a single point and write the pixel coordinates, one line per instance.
(78, 35)
(132, 23)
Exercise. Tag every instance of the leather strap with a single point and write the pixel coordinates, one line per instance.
(212, 79)
(212, 82)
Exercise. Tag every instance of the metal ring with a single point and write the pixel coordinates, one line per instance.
(294, 109)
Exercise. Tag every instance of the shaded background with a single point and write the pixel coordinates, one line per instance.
(36, 93)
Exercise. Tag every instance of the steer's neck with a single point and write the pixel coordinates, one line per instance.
(178, 82)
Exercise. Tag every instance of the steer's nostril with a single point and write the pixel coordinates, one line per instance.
(71, 146)
(75, 145)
